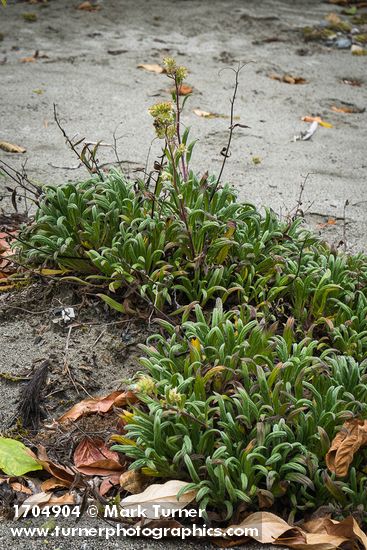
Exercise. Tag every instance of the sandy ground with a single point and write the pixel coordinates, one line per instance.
(95, 90)
(91, 73)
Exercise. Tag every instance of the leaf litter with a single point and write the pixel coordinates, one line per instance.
(11, 147)
(152, 68)
(288, 78)
(351, 437)
(93, 457)
(97, 405)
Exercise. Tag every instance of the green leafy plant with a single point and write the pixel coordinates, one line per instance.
(243, 396)
(243, 415)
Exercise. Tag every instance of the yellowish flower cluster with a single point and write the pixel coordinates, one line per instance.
(164, 119)
(145, 385)
(178, 72)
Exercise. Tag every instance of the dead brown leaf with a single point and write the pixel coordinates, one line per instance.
(39, 499)
(288, 79)
(109, 482)
(347, 528)
(6, 265)
(160, 493)
(205, 114)
(319, 534)
(184, 89)
(11, 147)
(352, 82)
(265, 498)
(348, 109)
(53, 483)
(152, 68)
(331, 221)
(62, 473)
(352, 436)
(29, 59)
(88, 6)
(19, 487)
(67, 498)
(98, 405)
(92, 457)
(32, 58)
(133, 481)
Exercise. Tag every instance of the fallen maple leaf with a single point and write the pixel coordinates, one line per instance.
(11, 147)
(92, 457)
(352, 436)
(152, 68)
(98, 405)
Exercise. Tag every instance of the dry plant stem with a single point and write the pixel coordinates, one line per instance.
(226, 150)
(155, 197)
(301, 191)
(346, 204)
(21, 179)
(73, 146)
(95, 164)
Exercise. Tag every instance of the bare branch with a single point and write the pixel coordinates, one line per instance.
(225, 152)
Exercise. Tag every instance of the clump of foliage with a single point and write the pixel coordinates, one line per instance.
(241, 400)
(246, 410)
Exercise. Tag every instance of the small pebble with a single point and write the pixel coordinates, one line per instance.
(343, 43)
